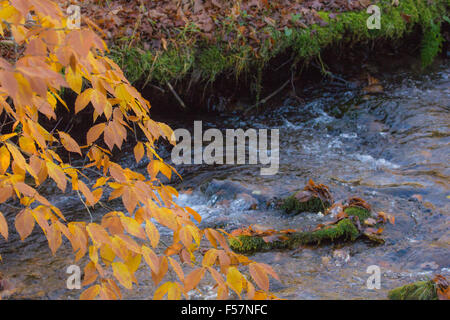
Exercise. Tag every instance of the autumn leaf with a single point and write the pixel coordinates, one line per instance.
(83, 99)
(5, 159)
(98, 234)
(3, 227)
(234, 280)
(69, 143)
(90, 293)
(139, 151)
(122, 274)
(259, 275)
(152, 233)
(193, 278)
(24, 223)
(133, 227)
(94, 133)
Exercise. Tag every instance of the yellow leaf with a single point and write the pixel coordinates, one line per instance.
(161, 291)
(57, 174)
(17, 155)
(210, 258)
(74, 79)
(27, 145)
(152, 233)
(122, 274)
(5, 159)
(133, 262)
(68, 143)
(107, 253)
(133, 227)
(174, 292)
(234, 280)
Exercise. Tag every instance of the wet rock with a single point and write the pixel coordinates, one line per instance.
(242, 196)
(6, 287)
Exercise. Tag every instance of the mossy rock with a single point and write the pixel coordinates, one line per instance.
(343, 230)
(296, 204)
(361, 213)
(421, 290)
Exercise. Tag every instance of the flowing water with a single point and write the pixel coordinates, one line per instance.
(392, 149)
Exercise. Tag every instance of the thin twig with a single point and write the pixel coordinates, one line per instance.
(176, 95)
(85, 205)
(269, 96)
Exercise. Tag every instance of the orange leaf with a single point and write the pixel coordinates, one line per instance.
(94, 133)
(98, 234)
(177, 268)
(83, 99)
(193, 278)
(139, 151)
(57, 174)
(3, 226)
(68, 143)
(260, 276)
(24, 223)
(90, 293)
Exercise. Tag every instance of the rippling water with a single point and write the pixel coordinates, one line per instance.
(391, 149)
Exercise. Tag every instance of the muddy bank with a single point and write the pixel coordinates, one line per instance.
(187, 51)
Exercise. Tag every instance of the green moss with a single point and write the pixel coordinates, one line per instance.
(359, 212)
(431, 44)
(422, 290)
(292, 205)
(343, 230)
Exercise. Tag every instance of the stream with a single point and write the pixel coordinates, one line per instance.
(391, 149)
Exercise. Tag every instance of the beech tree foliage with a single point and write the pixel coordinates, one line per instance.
(49, 57)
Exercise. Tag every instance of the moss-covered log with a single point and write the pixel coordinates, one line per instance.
(343, 230)
(421, 290)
